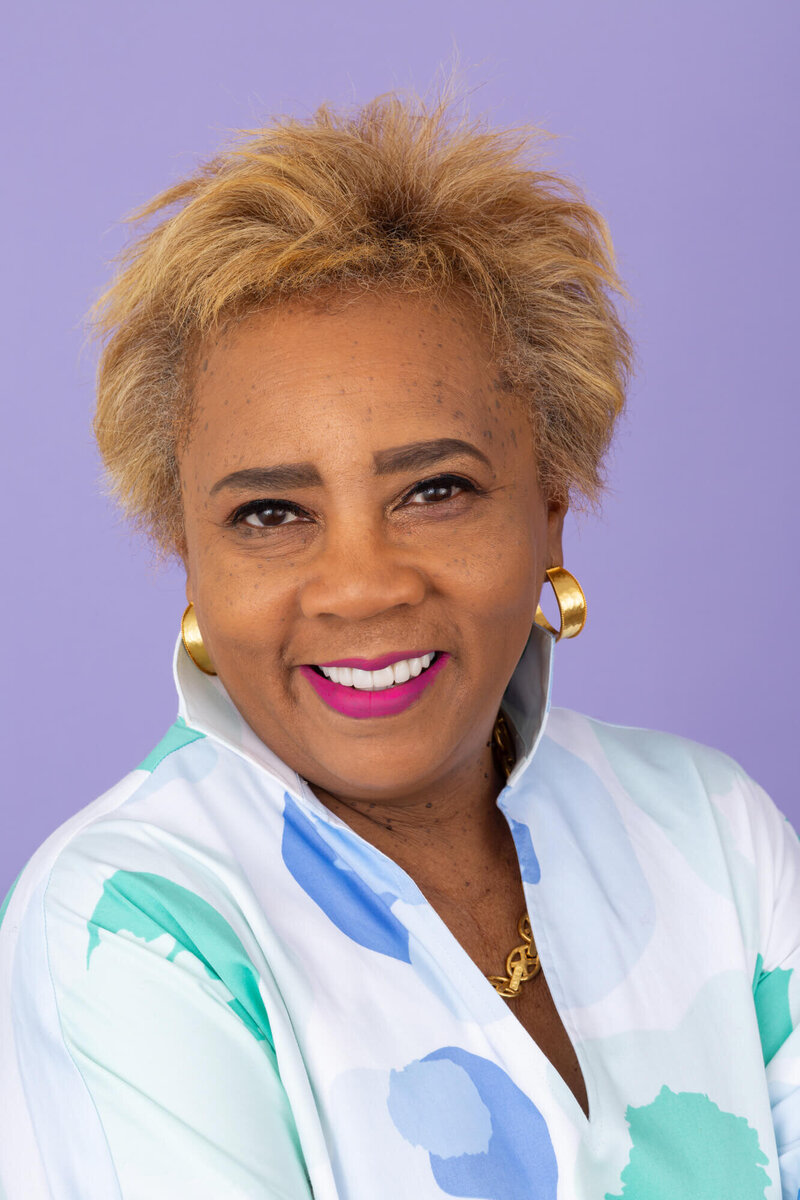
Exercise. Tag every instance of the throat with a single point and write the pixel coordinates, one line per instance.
(454, 847)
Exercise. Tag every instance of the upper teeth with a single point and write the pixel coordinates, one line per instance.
(374, 681)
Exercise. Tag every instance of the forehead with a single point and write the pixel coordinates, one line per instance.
(362, 371)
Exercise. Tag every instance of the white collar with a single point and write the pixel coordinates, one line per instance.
(205, 705)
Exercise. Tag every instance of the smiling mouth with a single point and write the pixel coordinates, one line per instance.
(388, 677)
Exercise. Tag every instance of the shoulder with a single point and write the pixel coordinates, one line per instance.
(100, 836)
(150, 863)
(650, 755)
(130, 969)
(645, 759)
(696, 793)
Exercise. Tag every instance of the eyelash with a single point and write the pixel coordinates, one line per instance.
(237, 517)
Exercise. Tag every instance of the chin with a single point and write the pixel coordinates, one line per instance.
(371, 777)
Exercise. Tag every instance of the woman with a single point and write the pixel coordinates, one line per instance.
(374, 920)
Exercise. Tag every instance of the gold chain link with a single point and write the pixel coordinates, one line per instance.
(522, 963)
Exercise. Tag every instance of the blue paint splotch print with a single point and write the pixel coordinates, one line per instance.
(360, 913)
(483, 1136)
(530, 870)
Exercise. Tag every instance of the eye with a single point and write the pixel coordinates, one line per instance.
(442, 487)
(266, 514)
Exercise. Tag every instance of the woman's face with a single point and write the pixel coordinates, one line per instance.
(358, 484)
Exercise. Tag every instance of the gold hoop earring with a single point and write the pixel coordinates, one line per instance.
(193, 642)
(571, 604)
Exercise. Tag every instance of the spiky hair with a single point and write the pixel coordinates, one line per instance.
(399, 193)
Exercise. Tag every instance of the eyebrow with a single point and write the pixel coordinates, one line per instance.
(418, 455)
(271, 479)
(414, 456)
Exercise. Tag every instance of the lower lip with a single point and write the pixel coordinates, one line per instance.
(353, 702)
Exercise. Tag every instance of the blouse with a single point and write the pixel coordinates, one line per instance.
(211, 987)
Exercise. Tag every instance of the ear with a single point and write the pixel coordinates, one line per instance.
(557, 507)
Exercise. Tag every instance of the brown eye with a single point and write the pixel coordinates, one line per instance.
(270, 516)
(261, 515)
(441, 488)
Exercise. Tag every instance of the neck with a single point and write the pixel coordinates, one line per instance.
(447, 837)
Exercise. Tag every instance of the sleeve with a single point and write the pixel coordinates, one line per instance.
(128, 1067)
(776, 982)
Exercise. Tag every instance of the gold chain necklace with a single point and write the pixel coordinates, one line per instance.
(522, 963)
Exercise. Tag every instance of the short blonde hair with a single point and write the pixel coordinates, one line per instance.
(400, 192)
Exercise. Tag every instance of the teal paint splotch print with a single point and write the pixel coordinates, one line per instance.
(7, 899)
(176, 737)
(686, 1148)
(149, 906)
(771, 996)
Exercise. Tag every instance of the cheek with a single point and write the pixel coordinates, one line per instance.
(510, 586)
(509, 557)
(494, 588)
(245, 607)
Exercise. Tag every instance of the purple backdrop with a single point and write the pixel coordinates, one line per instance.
(681, 121)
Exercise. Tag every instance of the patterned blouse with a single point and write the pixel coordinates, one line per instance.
(212, 988)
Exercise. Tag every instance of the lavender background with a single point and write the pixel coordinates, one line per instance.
(681, 121)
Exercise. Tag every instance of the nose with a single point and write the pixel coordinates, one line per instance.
(359, 574)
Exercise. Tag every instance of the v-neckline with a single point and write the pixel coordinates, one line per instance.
(513, 1029)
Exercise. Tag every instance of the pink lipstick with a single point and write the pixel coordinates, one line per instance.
(359, 703)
